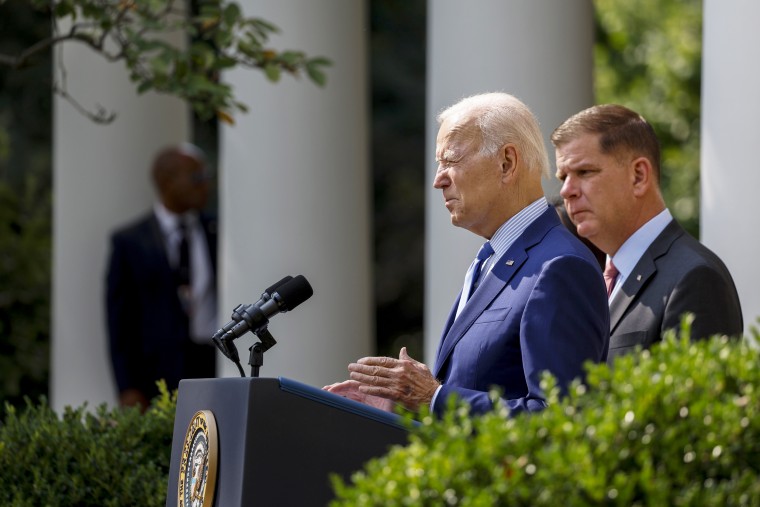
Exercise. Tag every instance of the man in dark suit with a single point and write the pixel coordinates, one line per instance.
(539, 302)
(161, 284)
(608, 159)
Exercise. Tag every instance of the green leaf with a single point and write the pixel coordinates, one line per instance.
(272, 72)
(65, 8)
(316, 74)
(144, 87)
(231, 14)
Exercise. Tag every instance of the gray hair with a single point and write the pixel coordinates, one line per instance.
(502, 118)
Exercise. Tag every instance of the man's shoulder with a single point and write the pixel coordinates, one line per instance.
(683, 252)
(560, 242)
(134, 228)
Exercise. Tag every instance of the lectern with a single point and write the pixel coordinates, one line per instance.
(269, 441)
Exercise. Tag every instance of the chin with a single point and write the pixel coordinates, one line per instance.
(585, 231)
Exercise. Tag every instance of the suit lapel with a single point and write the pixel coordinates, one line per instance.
(493, 283)
(643, 271)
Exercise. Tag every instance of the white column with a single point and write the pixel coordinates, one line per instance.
(541, 52)
(730, 178)
(295, 194)
(101, 180)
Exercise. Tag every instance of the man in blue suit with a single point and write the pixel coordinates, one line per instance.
(161, 283)
(538, 302)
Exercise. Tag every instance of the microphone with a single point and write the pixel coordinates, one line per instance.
(237, 312)
(284, 298)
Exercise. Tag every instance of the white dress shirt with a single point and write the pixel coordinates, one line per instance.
(630, 252)
(203, 293)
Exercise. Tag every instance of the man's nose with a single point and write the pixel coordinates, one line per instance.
(569, 189)
(441, 179)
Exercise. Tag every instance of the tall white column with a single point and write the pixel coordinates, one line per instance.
(541, 52)
(730, 178)
(295, 194)
(100, 181)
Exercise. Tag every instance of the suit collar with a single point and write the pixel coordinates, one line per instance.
(645, 268)
(494, 282)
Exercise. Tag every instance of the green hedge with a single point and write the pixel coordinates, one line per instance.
(116, 457)
(680, 425)
(677, 425)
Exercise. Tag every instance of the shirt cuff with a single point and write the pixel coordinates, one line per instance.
(435, 396)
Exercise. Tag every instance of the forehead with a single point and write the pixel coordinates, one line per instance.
(455, 137)
(582, 150)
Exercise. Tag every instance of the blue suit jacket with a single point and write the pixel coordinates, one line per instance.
(543, 307)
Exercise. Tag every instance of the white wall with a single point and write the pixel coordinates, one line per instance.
(100, 180)
(730, 177)
(295, 194)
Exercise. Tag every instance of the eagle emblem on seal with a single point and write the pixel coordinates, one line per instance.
(197, 469)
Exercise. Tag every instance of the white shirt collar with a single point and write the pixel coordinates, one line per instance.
(630, 252)
(505, 235)
(169, 221)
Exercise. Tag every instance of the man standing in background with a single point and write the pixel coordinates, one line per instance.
(161, 283)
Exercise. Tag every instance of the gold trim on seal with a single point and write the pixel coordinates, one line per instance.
(197, 468)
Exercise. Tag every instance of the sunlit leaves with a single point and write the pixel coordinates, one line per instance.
(675, 425)
(648, 58)
(146, 35)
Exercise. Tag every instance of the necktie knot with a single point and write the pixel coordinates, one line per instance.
(485, 251)
(610, 275)
(471, 278)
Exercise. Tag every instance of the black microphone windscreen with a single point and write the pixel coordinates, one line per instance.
(273, 288)
(295, 292)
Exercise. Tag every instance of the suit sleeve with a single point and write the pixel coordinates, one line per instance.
(566, 323)
(711, 296)
(122, 332)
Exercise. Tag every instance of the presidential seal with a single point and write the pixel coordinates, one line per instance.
(197, 468)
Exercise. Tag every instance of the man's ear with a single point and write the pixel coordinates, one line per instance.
(643, 176)
(508, 160)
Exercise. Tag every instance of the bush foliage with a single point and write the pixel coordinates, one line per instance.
(110, 457)
(675, 425)
(24, 289)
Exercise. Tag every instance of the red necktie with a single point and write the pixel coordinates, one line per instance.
(610, 275)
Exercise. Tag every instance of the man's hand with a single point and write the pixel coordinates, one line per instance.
(403, 380)
(350, 389)
(132, 398)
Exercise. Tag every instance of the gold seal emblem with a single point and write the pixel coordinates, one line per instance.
(197, 469)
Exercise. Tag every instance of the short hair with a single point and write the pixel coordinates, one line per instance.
(618, 127)
(500, 119)
(168, 160)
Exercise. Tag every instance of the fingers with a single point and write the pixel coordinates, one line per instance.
(383, 362)
(384, 378)
(375, 370)
(343, 388)
(403, 380)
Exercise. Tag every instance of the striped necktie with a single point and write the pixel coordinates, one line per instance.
(473, 273)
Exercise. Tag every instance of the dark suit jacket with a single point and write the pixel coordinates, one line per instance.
(543, 307)
(148, 329)
(676, 274)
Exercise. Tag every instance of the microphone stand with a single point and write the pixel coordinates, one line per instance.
(225, 344)
(256, 358)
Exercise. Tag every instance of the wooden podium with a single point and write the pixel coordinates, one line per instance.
(271, 441)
